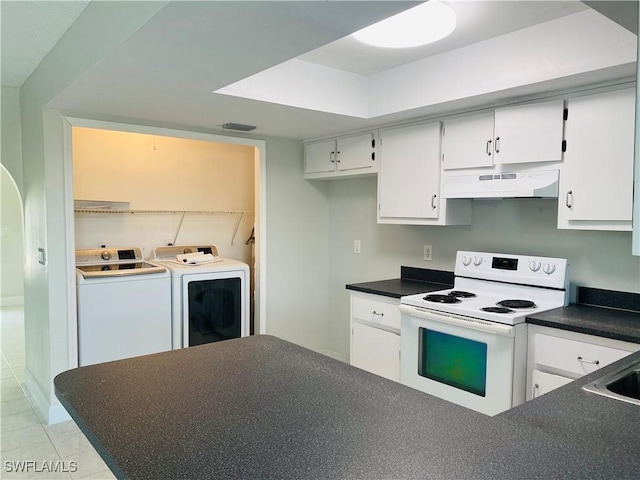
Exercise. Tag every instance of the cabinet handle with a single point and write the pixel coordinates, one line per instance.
(497, 145)
(337, 158)
(533, 390)
(433, 201)
(591, 362)
(376, 313)
(569, 200)
(489, 147)
(332, 157)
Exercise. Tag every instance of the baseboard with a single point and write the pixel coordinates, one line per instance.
(336, 355)
(10, 301)
(48, 413)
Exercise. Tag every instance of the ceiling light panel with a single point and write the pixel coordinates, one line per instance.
(426, 23)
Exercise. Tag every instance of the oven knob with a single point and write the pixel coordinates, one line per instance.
(534, 266)
(477, 261)
(548, 268)
(106, 255)
(466, 261)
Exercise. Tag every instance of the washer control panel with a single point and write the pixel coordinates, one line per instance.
(96, 256)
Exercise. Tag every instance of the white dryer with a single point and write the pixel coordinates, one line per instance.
(124, 305)
(209, 294)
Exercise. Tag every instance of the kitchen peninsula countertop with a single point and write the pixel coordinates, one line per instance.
(260, 407)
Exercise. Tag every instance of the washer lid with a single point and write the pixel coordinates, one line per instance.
(119, 269)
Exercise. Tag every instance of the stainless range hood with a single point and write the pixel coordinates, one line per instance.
(542, 184)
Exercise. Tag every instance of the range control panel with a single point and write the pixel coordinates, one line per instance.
(521, 269)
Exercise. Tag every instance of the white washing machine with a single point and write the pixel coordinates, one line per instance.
(124, 305)
(209, 294)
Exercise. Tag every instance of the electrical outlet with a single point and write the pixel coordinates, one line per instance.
(356, 246)
(428, 253)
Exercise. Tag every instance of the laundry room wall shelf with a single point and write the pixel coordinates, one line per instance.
(114, 211)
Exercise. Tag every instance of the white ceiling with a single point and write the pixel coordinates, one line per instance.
(29, 31)
(475, 21)
(165, 72)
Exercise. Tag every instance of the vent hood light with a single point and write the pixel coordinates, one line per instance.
(426, 23)
(534, 184)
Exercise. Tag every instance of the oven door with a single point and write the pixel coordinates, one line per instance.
(215, 307)
(460, 359)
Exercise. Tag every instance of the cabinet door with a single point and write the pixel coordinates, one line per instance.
(529, 133)
(409, 175)
(545, 382)
(596, 182)
(468, 142)
(376, 351)
(320, 157)
(356, 152)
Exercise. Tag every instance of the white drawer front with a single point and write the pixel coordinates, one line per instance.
(374, 312)
(575, 357)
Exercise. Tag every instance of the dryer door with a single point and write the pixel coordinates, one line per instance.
(214, 307)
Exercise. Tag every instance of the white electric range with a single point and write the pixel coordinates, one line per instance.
(467, 344)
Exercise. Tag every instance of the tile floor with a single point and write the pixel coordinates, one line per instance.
(46, 451)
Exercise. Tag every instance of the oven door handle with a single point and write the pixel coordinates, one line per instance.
(459, 321)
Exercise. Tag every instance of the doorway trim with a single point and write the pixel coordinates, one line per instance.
(259, 207)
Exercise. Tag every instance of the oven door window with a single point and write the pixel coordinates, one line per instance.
(452, 360)
(215, 310)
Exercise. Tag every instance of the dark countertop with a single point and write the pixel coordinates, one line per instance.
(260, 407)
(412, 281)
(605, 313)
(603, 322)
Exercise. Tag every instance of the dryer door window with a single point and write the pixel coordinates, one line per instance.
(215, 310)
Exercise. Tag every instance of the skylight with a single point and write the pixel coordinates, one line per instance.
(426, 23)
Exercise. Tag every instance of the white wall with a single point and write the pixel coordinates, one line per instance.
(11, 156)
(11, 242)
(297, 249)
(159, 173)
(102, 26)
(525, 226)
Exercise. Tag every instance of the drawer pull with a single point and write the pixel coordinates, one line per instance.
(592, 362)
(376, 313)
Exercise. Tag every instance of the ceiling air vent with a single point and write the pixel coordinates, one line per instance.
(238, 127)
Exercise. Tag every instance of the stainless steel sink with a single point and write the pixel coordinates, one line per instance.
(623, 385)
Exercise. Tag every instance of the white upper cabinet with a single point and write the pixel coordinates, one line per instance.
(320, 157)
(467, 142)
(596, 179)
(529, 133)
(409, 176)
(343, 156)
(409, 179)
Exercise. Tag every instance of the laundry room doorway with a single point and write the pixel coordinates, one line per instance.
(149, 187)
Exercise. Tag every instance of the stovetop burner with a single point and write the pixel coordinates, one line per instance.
(497, 310)
(436, 298)
(516, 304)
(461, 294)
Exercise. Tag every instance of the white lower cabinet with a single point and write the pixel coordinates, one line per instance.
(375, 334)
(545, 382)
(556, 357)
(376, 351)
